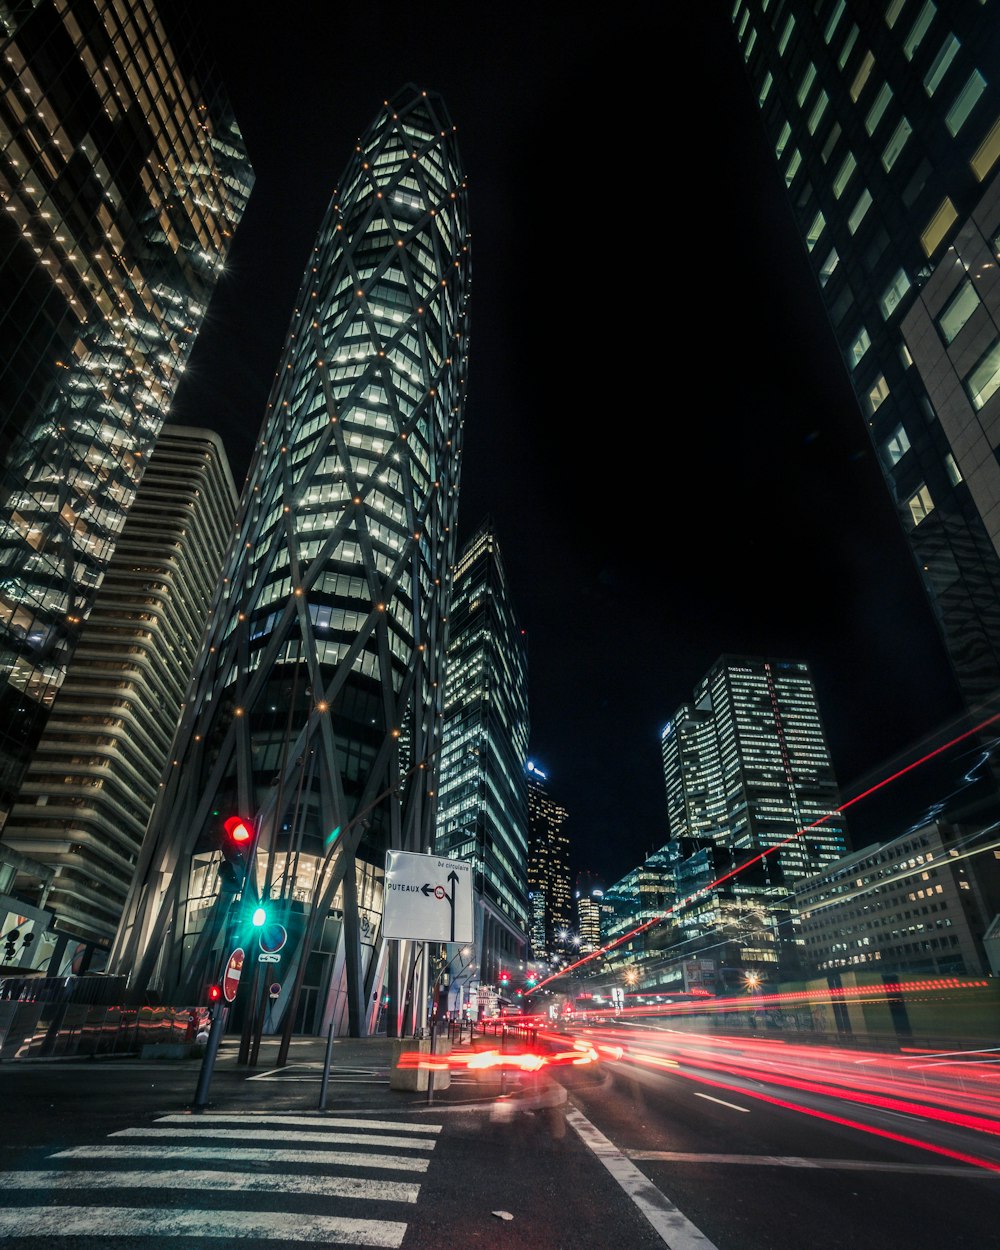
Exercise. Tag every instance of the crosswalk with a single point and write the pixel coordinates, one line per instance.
(309, 1178)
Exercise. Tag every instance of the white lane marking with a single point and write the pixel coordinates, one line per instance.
(249, 1154)
(195, 1129)
(313, 1121)
(51, 1222)
(673, 1226)
(280, 1182)
(793, 1161)
(731, 1105)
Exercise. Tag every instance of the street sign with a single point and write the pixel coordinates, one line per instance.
(272, 937)
(427, 898)
(231, 979)
(274, 989)
(268, 957)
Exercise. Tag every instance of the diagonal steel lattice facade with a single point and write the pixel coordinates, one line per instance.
(317, 706)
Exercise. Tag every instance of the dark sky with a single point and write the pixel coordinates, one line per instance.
(658, 420)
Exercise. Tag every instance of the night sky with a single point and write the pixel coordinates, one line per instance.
(658, 420)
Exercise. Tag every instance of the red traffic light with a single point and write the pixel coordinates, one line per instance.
(214, 993)
(237, 829)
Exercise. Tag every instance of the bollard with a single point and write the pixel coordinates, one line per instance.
(219, 1014)
(324, 1084)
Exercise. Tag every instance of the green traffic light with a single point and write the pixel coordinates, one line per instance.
(259, 917)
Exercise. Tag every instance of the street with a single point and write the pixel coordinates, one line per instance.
(643, 1149)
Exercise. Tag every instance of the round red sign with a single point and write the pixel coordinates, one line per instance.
(231, 980)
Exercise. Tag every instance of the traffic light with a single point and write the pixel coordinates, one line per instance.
(214, 993)
(259, 917)
(505, 978)
(237, 845)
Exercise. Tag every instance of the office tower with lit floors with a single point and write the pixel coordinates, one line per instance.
(483, 806)
(317, 711)
(123, 176)
(548, 868)
(746, 764)
(94, 777)
(884, 120)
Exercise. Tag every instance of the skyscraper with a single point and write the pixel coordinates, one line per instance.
(483, 809)
(746, 763)
(548, 865)
(95, 774)
(885, 122)
(123, 176)
(317, 711)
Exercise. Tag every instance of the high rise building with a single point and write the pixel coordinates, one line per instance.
(483, 807)
(548, 867)
(885, 123)
(318, 707)
(123, 176)
(93, 780)
(746, 764)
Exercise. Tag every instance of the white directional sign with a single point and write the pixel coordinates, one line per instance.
(427, 899)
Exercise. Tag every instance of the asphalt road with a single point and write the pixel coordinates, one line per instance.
(666, 1143)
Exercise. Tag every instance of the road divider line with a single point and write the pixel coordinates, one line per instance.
(671, 1224)
(722, 1102)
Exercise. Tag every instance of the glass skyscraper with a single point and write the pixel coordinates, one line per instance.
(123, 176)
(884, 119)
(483, 812)
(747, 765)
(548, 868)
(318, 707)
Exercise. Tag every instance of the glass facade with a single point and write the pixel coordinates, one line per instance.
(913, 96)
(123, 176)
(548, 867)
(483, 808)
(318, 707)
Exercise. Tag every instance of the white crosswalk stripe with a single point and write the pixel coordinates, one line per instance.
(272, 1203)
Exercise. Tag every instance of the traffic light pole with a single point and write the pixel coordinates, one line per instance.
(219, 1013)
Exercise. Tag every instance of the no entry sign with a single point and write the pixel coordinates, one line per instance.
(231, 980)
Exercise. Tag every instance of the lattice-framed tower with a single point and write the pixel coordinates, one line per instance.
(318, 706)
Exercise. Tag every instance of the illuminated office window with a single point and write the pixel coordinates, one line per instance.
(858, 348)
(878, 394)
(862, 76)
(896, 445)
(816, 116)
(958, 310)
(829, 265)
(877, 110)
(965, 102)
(896, 144)
(859, 211)
(983, 380)
(939, 66)
(815, 230)
(848, 167)
(921, 505)
(894, 293)
(919, 28)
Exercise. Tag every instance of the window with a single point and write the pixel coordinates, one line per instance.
(921, 505)
(766, 86)
(894, 292)
(919, 29)
(786, 34)
(816, 116)
(896, 446)
(958, 310)
(829, 265)
(815, 230)
(938, 226)
(939, 66)
(896, 144)
(878, 394)
(952, 469)
(844, 174)
(859, 210)
(861, 77)
(877, 110)
(834, 22)
(858, 348)
(786, 134)
(984, 379)
(893, 11)
(848, 48)
(831, 142)
(750, 45)
(985, 156)
(794, 161)
(805, 86)
(965, 102)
